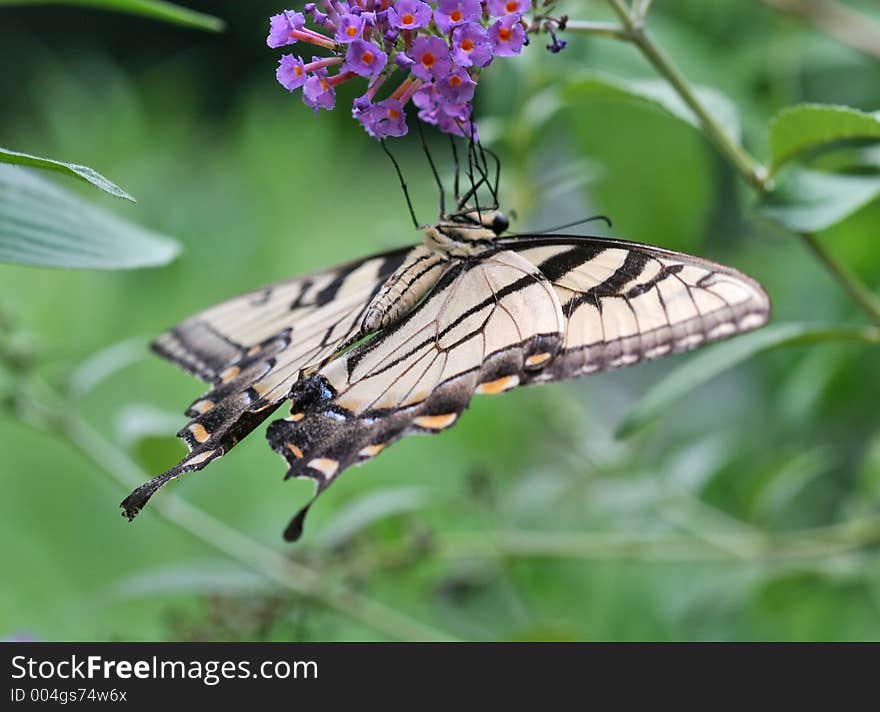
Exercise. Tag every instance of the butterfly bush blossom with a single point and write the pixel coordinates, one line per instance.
(436, 49)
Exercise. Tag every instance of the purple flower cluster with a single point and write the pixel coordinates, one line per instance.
(439, 48)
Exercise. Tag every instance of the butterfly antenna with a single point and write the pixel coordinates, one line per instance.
(552, 230)
(455, 185)
(497, 184)
(472, 160)
(433, 170)
(492, 184)
(409, 204)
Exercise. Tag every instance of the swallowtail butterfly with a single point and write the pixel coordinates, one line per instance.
(398, 343)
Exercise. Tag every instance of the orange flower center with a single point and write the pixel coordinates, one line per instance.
(324, 85)
(351, 31)
(393, 113)
(511, 6)
(408, 19)
(454, 80)
(467, 45)
(367, 57)
(428, 59)
(298, 70)
(455, 15)
(504, 34)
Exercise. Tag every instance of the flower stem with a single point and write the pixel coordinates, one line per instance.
(748, 167)
(37, 403)
(603, 29)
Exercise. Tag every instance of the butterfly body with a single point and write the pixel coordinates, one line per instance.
(399, 343)
(467, 236)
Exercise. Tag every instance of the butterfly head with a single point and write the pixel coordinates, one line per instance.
(467, 232)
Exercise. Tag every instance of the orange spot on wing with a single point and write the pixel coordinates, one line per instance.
(229, 374)
(203, 406)
(200, 458)
(372, 450)
(537, 359)
(325, 465)
(499, 385)
(436, 422)
(199, 433)
(297, 453)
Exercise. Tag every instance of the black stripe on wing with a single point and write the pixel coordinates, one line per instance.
(209, 342)
(625, 302)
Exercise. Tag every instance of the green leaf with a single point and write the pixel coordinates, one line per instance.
(155, 9)
(72, 169)
(812, 201)
(656, 93)
(715, 360)
(809, 126)
(44, 224)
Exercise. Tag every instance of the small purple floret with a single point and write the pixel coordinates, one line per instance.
(350, 28)
(452, 13)
(365, 58)
(291, 72)
(507, 36)
(318, 94)
(409, 14)
(471, 45)
(280, 27)
(385, 118)
(500, 8)
(431, 55)
(457, 87)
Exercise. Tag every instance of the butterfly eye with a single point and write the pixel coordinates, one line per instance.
(500, 223)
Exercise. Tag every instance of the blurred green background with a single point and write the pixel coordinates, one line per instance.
(652, 535)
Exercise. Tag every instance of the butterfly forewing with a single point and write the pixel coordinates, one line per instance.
(625, 303)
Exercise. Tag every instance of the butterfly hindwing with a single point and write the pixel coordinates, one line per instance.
(483, 328)
(253, 348)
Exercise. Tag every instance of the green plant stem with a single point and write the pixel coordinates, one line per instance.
(852, 284)
(602, 29)
(641, 8)
(750, 169)
(56, 416)
(632, 29)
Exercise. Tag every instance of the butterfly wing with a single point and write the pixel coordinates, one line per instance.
(544, 309)
(624, 302)
(485, 327)
(254, 347)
